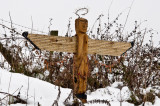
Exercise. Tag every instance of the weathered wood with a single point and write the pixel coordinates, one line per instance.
(54, 43)
(80, 45)
(68, 44)
(103, 47)
(81, 64)
(80, 68)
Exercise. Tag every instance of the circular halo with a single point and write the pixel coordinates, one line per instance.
(81, 11)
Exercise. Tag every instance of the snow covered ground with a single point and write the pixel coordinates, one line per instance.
(44, 93)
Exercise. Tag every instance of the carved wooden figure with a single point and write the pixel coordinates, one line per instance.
(80, 45)
(80, 69)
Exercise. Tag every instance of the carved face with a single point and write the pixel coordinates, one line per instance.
(81, 25)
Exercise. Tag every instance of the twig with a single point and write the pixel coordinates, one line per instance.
(9, 85)
(23, 26)
(109, 10)
(10, 29)
(21, 100)
(69, 96)
(8, 95)
(50, 24)
(56, 101)
(68, 26)
(127, 16)
(11, 38)
(10, 20)
(27, 91)
(32, 24)
(34, 97)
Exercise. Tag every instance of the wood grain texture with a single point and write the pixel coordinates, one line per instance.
(81, 64)
(68, 44)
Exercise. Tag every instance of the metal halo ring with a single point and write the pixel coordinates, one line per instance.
(86, 9)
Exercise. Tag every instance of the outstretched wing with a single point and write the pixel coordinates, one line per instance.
(68, 44)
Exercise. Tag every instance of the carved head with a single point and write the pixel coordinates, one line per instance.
(81, 25)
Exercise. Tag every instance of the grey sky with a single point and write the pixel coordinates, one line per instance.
(61, 10)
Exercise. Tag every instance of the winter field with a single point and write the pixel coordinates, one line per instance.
(35, 92)
(30, 76)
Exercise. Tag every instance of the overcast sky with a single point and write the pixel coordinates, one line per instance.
(61, 10)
